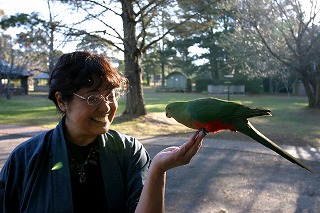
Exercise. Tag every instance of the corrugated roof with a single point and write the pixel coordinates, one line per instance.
(6, 69)
(176, 73)
(42, 76)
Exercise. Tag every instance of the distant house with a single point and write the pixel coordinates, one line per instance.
(41, 82)
(176, 81)
(13, 78)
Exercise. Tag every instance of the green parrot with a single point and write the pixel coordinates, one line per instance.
(216, 115)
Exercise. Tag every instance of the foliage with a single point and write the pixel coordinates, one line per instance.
(35, 39)
(202, 84)
(189, 85)
(287, 34)
(158, 59)
(254, 86)
(204, 31)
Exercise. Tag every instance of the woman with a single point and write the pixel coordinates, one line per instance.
(82, 165)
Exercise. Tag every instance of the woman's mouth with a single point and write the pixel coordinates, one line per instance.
(101, 119)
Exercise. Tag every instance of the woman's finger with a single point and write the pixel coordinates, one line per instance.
(192, 146)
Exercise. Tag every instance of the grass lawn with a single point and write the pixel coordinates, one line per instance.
(292, 122)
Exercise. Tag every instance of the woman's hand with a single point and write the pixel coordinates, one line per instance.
(152, 196)
(177, 156)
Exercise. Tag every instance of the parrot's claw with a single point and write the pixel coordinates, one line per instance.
(204, 131)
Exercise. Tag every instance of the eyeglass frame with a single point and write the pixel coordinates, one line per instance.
(101, 97)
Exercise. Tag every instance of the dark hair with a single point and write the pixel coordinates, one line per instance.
(77, 70)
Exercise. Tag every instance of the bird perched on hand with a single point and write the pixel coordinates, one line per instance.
(215, 115)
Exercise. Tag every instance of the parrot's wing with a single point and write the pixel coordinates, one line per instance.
(209, 109)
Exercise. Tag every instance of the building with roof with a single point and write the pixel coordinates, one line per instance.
(13, 79)
(41, 82)
(176, 81)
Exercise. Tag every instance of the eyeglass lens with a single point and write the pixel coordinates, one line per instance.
(111, 98)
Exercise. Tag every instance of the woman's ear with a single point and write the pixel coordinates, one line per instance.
(60, 101)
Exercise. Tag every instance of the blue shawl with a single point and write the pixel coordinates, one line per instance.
(28, 183)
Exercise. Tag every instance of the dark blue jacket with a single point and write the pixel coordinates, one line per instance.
(28, 183)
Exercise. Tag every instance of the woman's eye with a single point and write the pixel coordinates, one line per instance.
(94, 98)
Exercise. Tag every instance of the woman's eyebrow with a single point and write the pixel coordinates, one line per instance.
(92, 90)
(97, 90)
(108, 89)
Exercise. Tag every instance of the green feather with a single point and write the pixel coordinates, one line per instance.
(207, 109)
(179, 112)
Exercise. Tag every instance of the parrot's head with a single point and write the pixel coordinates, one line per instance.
(179, 112)
(173, 110)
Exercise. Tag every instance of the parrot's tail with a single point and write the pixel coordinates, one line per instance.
(250, 131)
(259, 112)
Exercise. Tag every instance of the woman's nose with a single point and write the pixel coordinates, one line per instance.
(105, 106)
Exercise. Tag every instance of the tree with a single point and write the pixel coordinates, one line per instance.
(38, 37)
(285, 22)
(132, 39)
(6, 63)
(204, 31)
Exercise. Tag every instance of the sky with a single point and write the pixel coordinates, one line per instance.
(13, 6)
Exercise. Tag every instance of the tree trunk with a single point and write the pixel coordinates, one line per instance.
(132, 56)
(163, 76)
(313, 93)
(317, 95)
(135, 101)
(52, 29)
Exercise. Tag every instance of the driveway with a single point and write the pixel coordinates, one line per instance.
(225, 176)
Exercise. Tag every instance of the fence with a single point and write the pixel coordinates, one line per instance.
(223, 89)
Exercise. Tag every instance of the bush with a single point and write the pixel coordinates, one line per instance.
(189, 85)
(202, 84)
(254, 86)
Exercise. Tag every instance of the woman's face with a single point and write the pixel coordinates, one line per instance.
(84, 122)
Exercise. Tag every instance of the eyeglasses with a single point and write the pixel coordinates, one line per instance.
(94, 100)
